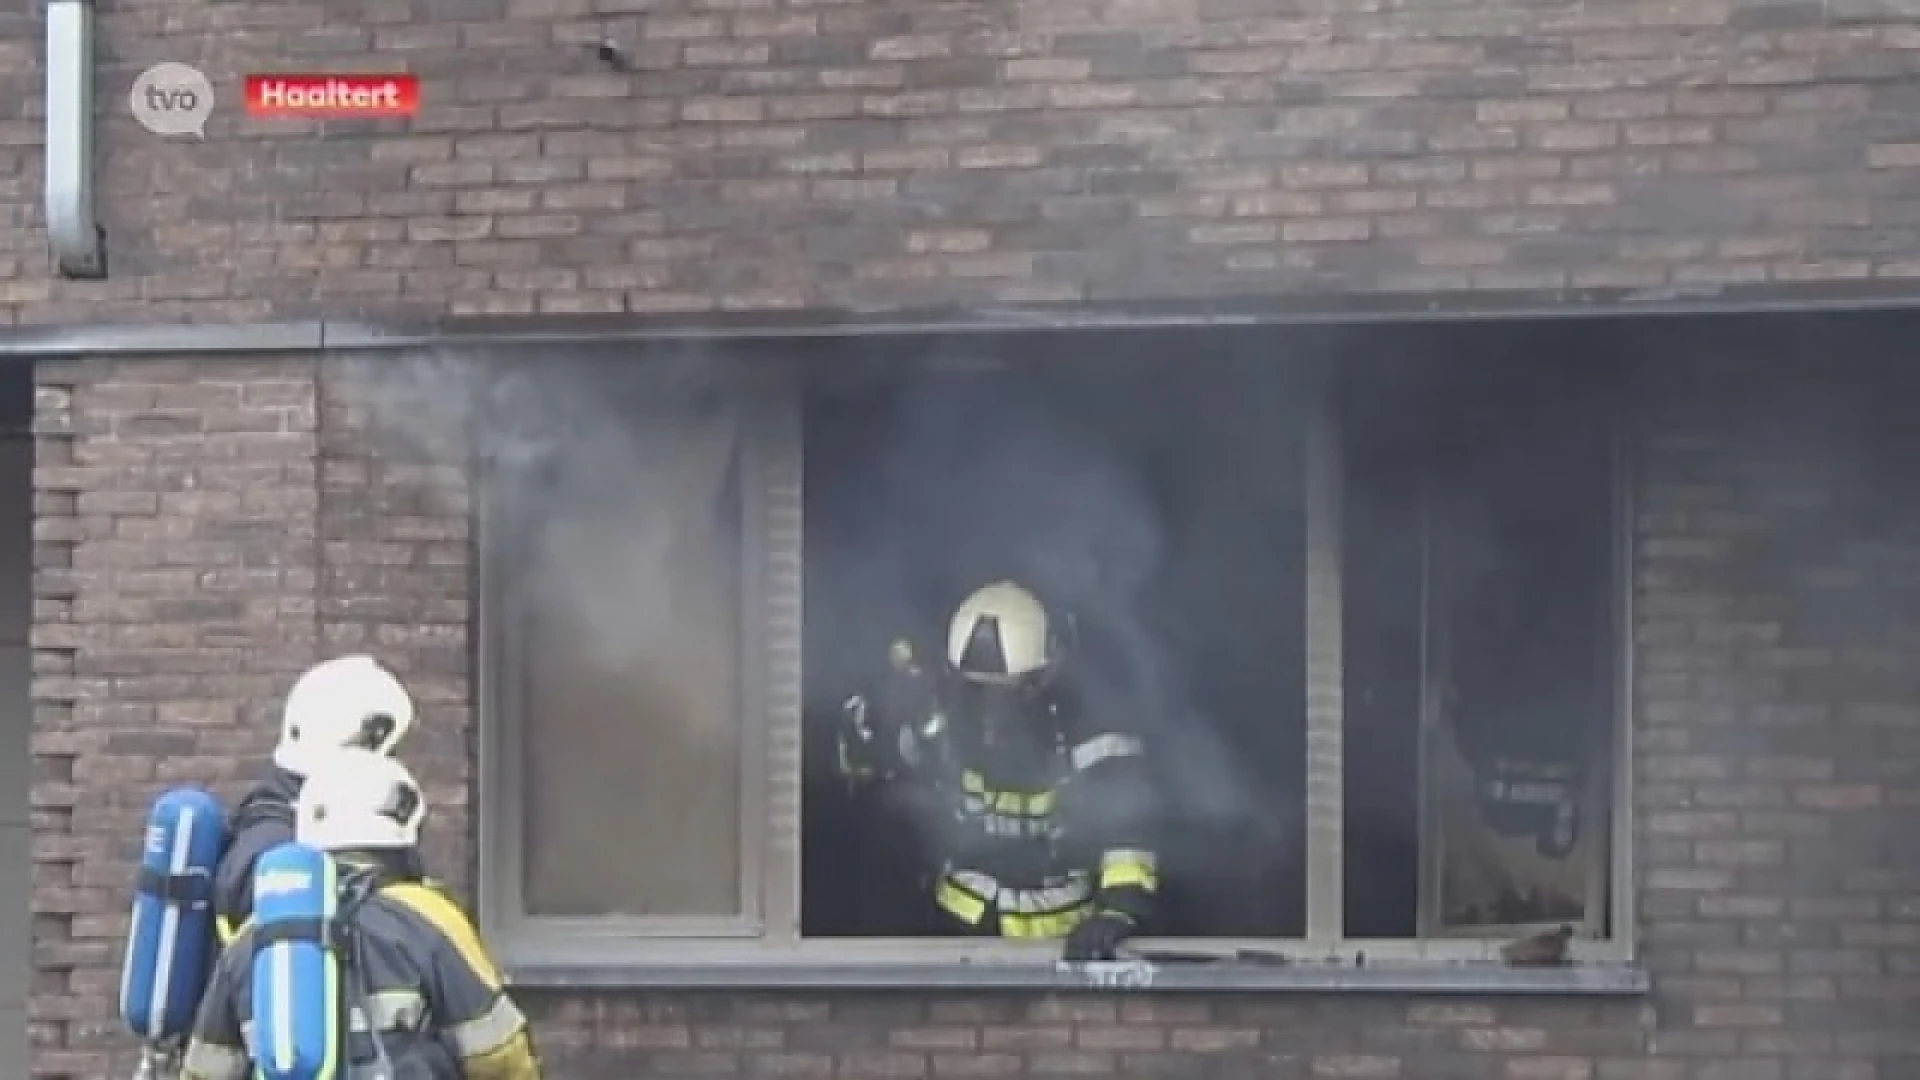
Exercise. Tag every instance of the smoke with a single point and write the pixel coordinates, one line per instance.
(1035, 497)
(920, 489)
(982, 485)
(593, 475)
(609, 525)
(1101, 485)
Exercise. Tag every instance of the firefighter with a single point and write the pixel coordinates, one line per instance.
(1034, 817)
(349, 701)
(437, 1004)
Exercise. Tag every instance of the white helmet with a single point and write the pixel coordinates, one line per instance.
(349, 701)
(358, 800)
(1000, 635)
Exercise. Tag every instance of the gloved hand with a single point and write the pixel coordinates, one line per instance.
(1098, 938)
(860, 757)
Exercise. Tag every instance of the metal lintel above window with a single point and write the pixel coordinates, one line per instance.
(1481, 306)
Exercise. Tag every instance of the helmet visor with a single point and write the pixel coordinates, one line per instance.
(998, 703)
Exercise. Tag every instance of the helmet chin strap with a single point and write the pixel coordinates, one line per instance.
(388, 864)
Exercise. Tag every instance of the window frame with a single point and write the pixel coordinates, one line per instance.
(1610, 889)
(764, 947)
(770, 702)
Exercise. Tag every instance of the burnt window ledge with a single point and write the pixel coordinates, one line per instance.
(1119, 977)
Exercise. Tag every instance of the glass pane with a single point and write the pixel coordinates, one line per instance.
(1523, 575)
(1479, 592)
(631, 609)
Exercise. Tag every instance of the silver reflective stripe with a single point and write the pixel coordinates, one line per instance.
(1073, 892)
(1009, 825)
(982, 885)
(205, 1061)
(490, 1030)
(1131, 857)
(1101, 747)
(393, 1010)
(1055, 898)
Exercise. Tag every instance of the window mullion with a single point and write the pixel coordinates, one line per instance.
(1435, 667)
(774, 742)
(502, 674)
(1325, 678)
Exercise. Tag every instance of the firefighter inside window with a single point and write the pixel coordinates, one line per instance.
(1035, 817)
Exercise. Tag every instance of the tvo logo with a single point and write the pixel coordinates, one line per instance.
(172, 99)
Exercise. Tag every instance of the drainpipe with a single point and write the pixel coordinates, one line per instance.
(75, 235)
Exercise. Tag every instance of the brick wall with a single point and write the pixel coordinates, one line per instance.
(205, 530)
(175, 571)
(778, 153)
(1777, 780)
(206, 527)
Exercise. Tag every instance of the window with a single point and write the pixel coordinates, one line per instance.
(1364, 615)
(1482, 638)
(625, 612)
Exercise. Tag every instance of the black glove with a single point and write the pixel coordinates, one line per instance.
(1098, 938)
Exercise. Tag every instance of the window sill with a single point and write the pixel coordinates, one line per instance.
(1123, 976)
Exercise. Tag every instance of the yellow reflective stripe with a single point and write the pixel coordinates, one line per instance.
(512, 1060)
(446, 917)
(225, 929)
(1015, 908)
(959, 903)
(1122, 868)
(1021, 803)
(502, 1023)
(1136, 876)
(1057, 924)
(972, 909)
(488, 1032)
(1072, 891)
